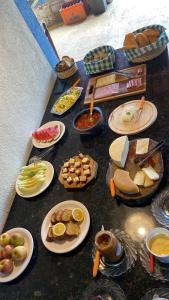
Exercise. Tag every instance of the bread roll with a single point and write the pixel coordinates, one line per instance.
(142, 40)
(130, 41)
(152, 34)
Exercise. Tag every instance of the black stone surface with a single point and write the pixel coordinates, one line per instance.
(64, 277)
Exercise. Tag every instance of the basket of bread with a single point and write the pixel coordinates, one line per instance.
(66, 67)
(99, 60)
(145, 43)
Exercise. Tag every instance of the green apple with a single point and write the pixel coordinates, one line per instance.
(19, 253)
(4, 239)
(17, 239)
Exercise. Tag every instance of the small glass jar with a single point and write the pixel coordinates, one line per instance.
(108, 245)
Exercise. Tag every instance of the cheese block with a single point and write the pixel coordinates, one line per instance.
(151, 173)
(139, 178)
(148, 182)
(124, 183)
(142, 146)
(105, 80)
(118, 151)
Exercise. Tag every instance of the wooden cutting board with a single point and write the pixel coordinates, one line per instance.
(93, 168)
(156, 162)
(110, 81)
(146, 119)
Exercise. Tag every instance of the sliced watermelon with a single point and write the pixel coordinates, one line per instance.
(46, 134)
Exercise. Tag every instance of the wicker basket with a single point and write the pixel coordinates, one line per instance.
(68, 73)
(94, 66)
(139, 55)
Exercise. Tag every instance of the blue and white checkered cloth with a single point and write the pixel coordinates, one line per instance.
(161, 41)
(94, 66)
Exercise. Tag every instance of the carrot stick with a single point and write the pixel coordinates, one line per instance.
(96, 263)
(112, 187)
(76, 83)
(142, 101)
(91, 104)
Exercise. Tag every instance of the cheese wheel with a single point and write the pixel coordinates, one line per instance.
(124, 183)
(119, 150)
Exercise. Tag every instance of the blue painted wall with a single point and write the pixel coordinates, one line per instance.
(37, 31)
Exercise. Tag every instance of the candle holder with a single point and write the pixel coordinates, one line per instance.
(156, 293)
(127, 261)
(161, 270)
(160, 208)
(105, 289)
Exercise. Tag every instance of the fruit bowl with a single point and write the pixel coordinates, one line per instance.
(84, 124)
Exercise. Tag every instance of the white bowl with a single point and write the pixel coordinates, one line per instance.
(153, 232)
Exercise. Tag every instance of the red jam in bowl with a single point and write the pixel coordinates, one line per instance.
(85, 121)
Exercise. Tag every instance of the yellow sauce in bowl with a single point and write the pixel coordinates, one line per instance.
(159, 244)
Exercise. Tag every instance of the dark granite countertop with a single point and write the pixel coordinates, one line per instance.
(64, 277)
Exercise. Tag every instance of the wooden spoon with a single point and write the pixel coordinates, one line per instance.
(91, 107)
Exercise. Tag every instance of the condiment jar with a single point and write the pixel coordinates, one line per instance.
(108, 245)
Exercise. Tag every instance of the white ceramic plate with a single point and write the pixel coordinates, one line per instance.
(65, 246)
(46, 125)
(18, 269)
(49, 176)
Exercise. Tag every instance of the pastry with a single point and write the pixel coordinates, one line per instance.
(142, 40)
(152, 34)
(130, 41)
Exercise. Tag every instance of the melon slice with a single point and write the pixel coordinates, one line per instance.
(124, 183)
(47, 134)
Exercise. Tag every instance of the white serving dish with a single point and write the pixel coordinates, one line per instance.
(152, 233)
(41, 145)
(59, 114)
(48, 179)
(70, 244)
(19, 268)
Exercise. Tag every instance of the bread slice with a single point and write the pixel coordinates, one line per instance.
(58, 215)
(130, 41)
(72, 229)
(50, 236)
(124, 183)
(66, 215)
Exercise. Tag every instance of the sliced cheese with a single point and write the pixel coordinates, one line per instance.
(139, 178)
(118, 151)
(148, 182)
(151, 173)
(142, 146)
(124, 183)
